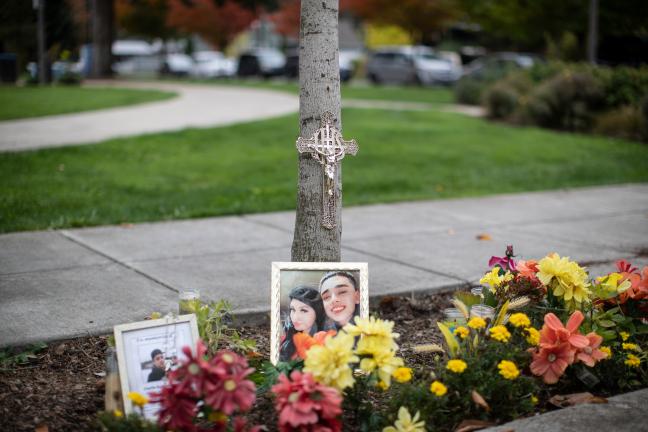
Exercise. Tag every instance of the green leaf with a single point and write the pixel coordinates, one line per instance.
(451, 341)
(606, 323)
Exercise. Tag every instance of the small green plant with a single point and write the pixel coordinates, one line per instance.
(116, 421)
(11, 357)
(216, 330)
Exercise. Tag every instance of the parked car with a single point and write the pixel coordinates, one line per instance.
(177, 64)
(496, 65)
(265, 62)
(346, 59)
(411, 65)
(212, 64)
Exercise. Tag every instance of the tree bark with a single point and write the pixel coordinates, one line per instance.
(319, 82)
(103, 17)
(592, 31)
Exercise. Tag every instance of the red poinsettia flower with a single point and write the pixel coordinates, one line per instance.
(550, 362)
(305, 405)
(554, 332)
(591, 354)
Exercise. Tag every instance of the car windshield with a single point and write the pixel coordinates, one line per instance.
(430, 56)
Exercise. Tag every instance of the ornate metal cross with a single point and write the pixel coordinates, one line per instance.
(328, 148)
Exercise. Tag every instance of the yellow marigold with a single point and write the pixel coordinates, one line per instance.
(438, 388)
(520, 319)
(632, 360)
(462, 332)
(624, 335)
(630, 346)
(402, 374)
(381, 385)
(500, 333)
(329, 363)
(534, 399)
(117, 413)
(138, 398)
(533, 336)
(565, 278)
(477, 323)
(406, 423)
(607, 351)
(456, 366)
(508, 369)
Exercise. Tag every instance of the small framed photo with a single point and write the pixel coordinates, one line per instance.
(147, 351)
(312, 300)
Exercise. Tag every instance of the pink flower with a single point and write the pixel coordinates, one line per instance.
(527, 268)
(506, 262)
(625, 267)
(591, 354)
(230, 393)
(554, 332)
(550, 362)
(305, 405)
(177, 408)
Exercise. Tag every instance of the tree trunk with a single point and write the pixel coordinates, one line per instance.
(103, 16)
(592, 31)
(319, 83)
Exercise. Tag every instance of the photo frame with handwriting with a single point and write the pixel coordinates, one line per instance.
(147, 351)
(311, 300)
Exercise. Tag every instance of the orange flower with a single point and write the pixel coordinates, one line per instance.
(554, 332)
(303, 342)
(591, 354)
(527, 268)
(550, 362)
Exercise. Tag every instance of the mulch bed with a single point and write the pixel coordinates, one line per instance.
(63, 388)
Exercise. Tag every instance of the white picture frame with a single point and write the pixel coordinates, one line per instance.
(136, 343)
(287, 276)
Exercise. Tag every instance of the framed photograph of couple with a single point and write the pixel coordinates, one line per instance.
(310, 301)
(147, 351)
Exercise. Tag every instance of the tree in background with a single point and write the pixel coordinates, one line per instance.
(145, 18)
(218, 24)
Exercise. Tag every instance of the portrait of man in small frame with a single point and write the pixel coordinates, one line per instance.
(147, 351)
(311, 301)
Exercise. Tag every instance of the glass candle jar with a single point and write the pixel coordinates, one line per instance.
(188, 301)
(482, 311)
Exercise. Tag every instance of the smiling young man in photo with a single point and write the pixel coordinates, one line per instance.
(341, 297)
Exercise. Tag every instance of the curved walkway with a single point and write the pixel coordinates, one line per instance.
(196, 106)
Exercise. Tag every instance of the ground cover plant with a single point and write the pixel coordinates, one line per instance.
(24, 102)
(248, 168)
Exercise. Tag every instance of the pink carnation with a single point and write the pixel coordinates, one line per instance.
(305, 406)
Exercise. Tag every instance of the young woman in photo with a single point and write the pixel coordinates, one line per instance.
(306, 317)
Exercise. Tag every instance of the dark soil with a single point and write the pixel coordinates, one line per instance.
(62, 389)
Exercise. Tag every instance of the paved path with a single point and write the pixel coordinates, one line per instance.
(196, 106)
(58, 284)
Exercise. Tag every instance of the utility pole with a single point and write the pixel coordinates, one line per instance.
(39, 5)
(592, 32)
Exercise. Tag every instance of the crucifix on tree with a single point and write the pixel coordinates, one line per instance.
(319, 83)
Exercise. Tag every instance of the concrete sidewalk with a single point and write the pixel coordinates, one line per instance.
(59, 284)
(195, 106)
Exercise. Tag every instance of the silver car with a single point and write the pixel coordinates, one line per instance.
(411, 65)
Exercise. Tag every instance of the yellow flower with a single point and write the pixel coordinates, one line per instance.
(610, 283)
(461, 331)
(138, 398)
(374, 328)
(565, 278)
(477, 323)
(533, 337)
(329, 363)
(520, 320)
(607, 351)
(630, 346)
(438, 388)
(117, 413)
(494, 280)
(384, 362)
(508, 369)
(381, 385)
(500, 333)
(406, 423)
(624, 335)
(456, 366)
(217, 417)
(632, 360)
(534, 400)
(402, 374)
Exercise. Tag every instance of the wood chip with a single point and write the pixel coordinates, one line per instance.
(563, 401)
(473, 425)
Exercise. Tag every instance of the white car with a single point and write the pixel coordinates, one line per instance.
(212, 64)
(178, 64)
(411, 65)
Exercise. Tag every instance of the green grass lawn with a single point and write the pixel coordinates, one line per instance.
(23, 102)
(433, 95)
(253, 168)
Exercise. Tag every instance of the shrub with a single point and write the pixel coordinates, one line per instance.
(500, 100)
(625, 122)
(625, 86)
(69, 78)
(567, 101)
(469, 91)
